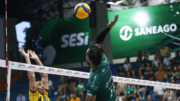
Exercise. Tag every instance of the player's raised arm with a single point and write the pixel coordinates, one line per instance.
(31, 75)
(44, 76)
(100, 38)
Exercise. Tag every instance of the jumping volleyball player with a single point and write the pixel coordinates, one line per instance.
(100, 85)
(38, 90)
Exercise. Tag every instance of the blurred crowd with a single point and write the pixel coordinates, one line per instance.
(68, 89)
(163, 68)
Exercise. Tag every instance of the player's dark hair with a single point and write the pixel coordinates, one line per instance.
(95, 54)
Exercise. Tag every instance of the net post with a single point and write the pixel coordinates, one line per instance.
(8, 82)
(8, 70)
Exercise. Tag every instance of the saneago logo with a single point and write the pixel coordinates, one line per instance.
(126, 32)
(126, 29)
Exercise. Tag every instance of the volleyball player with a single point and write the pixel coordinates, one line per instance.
(100, 85)
(38, 90)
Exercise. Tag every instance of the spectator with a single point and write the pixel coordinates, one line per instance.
(121, 71)
(138, 63)
(129, 72)
(75, 98)
(155, 62)
(117, 88)
(148, 74)
(170, 66)
(51, 90)
(174, 72)
(59, 98)
(164, 50)
(81, 89)
(67, 98)
(141, 88)
(139, 55)
(21, 97)
(120, 98)
(167, 59)
(149, 98)
(146, 53)
(130, 92)
(166, 79)
(177, 79)
(158, 91)
(137, 99)
(70, 84)
(146, 62)
(160, 73)
(126, 65)
(133, 74)
(176, 59)
(62, 87)
(170, 95)
(120, 88)
(157, 54)
(178, 68)
(160, 62)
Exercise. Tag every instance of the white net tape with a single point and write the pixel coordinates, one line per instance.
(65, 72)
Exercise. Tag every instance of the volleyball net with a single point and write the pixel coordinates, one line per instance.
(124, 86)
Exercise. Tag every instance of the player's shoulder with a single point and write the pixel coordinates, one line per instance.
(98, 75)
(101, 73)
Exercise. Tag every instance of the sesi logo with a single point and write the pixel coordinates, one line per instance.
(74, 39)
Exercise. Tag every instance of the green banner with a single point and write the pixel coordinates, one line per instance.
(145, 28)
(66, 39)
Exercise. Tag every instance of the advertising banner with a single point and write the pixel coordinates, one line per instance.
(65, 40)
(145, 28)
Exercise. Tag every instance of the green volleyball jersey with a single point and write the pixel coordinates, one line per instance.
(100, 83)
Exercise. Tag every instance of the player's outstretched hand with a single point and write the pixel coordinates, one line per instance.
(33, 55)
(26, 55)
(110, 25)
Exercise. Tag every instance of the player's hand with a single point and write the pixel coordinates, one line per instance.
(33, 55)
(110, 25)
(26, 55)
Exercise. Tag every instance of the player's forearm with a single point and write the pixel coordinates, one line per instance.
(30, 73)
(28, 60)
(100, 38)
(38, 62)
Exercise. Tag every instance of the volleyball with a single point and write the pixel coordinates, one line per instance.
(82, 10)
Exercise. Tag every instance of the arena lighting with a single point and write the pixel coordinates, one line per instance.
(116, 3)
(21, 33)
(141, 18)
